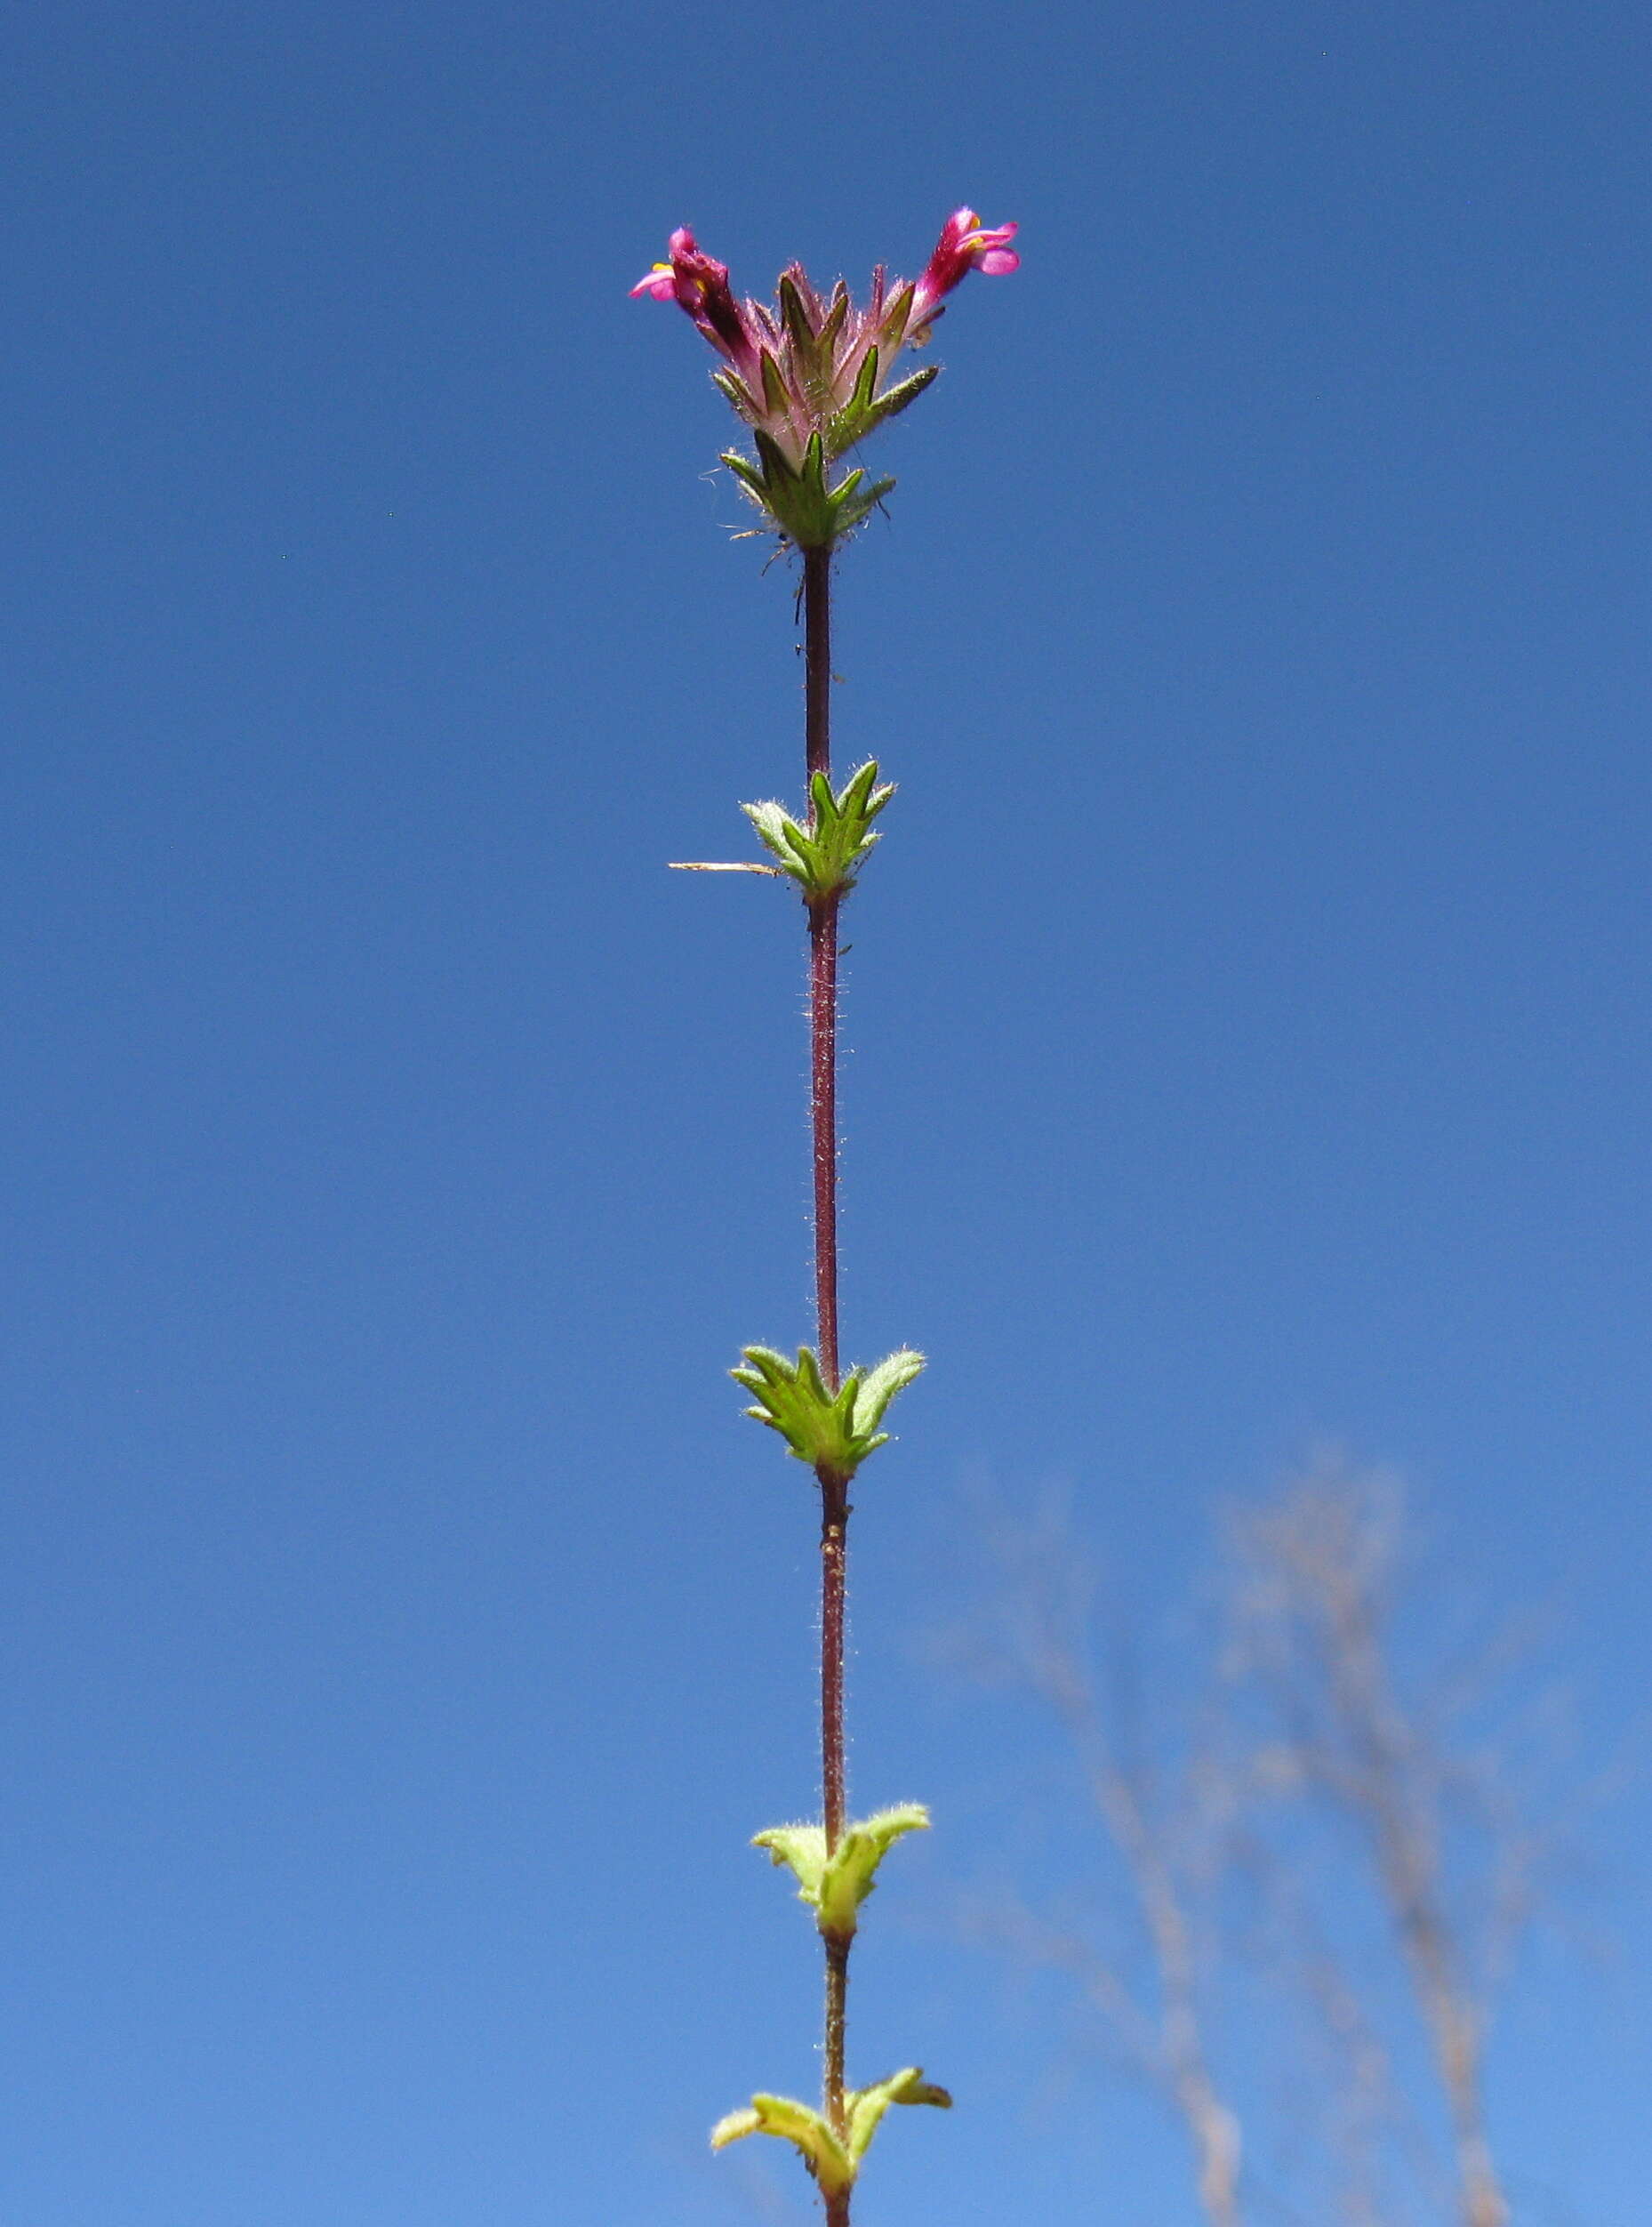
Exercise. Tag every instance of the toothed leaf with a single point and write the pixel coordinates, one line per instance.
(835, 1886)
(820, 1429)
(803, 1848)
(825, 857)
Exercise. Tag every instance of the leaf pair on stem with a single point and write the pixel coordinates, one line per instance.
(832, 1432)
(834, 2162)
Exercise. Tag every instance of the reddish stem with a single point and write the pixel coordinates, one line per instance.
(823, 1108)
(834, 1489)
(823, 967)
(817, 654)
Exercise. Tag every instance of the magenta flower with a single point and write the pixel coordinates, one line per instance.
(965, 244)
(811, 375)
(700, 284)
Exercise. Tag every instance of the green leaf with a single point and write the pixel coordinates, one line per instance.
(825, 855)
(748, 474)
(781, 834)
(892, 332)
(853, 514)
(795, 498)
(852, 420)
(835, 317)
(778, 469)
(824, 2155)
(821, 1429)
(900, 398)
(835, 1886)
(795, 317)
(732, 391)
(814, 473)
(866, 385)
(865, 2107)
(803, 1849)
(834, 2164)
(850, 1873)
(871, 1400)
(774, 395)
(866, 410)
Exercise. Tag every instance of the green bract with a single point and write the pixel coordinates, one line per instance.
(797, 498)
(823, 856)
(834, 1436)
(835, 1886)
(865, 411)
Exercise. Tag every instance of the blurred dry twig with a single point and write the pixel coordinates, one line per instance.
(1326, 1787)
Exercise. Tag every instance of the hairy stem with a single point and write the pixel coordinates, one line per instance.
(823, 1109)
(822, 975)
(834, 1489)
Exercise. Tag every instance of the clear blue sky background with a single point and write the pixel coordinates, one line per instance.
(401, 1634)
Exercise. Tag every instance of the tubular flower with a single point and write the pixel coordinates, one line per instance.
(699, 283)
(965, 244)
(811, 375)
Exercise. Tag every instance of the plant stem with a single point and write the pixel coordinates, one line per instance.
(823, 978)
(834, 1489)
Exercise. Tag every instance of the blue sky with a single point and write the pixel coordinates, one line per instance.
(401, 1632)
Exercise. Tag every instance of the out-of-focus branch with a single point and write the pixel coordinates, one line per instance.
(1318, 1768)
(1321, 1562)
(1044, 1642)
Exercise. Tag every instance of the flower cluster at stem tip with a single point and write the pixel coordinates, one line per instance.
(811, 375)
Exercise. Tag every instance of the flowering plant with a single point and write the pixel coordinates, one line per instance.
(811, 377)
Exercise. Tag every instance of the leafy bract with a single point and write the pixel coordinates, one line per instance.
(796, 498)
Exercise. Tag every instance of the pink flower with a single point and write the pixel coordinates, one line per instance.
(700, 284)
(811, 375)
(965, 244)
